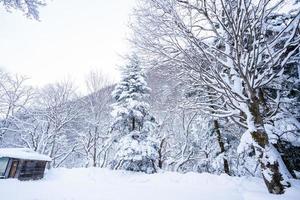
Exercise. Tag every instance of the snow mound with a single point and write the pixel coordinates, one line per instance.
(104, 184)
(23, 153)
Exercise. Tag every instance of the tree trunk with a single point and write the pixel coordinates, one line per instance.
(133, 124)
(273, 169)
(95, 147)
(222, 147)
(95, 154)
(52, 163)
(160, 156)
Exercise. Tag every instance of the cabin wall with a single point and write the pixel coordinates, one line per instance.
(26, 169)
(20, 166)
(31, 170)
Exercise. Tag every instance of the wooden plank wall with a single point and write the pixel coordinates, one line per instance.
(31, 170)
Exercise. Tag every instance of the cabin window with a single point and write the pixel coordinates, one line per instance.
(3, 165)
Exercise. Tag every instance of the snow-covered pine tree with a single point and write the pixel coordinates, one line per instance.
(134, 127)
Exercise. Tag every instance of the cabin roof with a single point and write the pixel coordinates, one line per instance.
(23, 153)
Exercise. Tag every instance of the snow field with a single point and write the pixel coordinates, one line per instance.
(104, 184)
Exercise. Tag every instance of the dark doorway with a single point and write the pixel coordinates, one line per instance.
(13, 169)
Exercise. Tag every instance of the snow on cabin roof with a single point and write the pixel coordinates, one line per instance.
(23, 153)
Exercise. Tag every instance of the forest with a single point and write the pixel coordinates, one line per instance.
(209, 86)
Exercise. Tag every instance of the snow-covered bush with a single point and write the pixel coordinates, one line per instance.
(137, 152)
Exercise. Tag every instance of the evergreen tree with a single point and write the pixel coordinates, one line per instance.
(134, 127)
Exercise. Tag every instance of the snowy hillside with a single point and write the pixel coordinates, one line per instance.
(104, 184)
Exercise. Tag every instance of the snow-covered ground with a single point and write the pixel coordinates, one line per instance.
(104, 184)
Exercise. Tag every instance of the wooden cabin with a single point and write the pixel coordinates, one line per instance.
(22, 163)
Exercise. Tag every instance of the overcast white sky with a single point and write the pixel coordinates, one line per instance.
(73, 37)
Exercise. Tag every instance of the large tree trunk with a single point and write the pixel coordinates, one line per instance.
(273, 169)
(221, 145)
(160, 153)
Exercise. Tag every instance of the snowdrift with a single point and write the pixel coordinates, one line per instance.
(104, 184)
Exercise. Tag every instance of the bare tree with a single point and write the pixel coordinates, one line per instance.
(14, 96)
(58, 112)
(28, 7)
(224, 50)
(96, 119)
